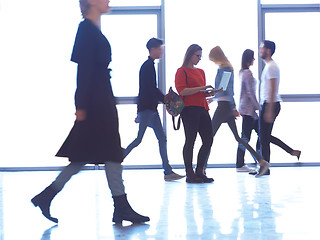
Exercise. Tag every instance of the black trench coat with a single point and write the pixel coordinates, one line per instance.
(96, 139)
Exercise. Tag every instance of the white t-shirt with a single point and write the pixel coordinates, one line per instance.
(271, 70)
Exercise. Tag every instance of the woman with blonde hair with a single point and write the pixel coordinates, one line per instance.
(190, 83)
(94, 138)
(226, 111)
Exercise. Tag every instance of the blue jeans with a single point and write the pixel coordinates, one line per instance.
(149, 118)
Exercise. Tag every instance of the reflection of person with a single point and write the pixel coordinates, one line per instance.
(226, 110)
(47, 233)
(269, 97)
(148, 116)
(189, 82)
(247, 108)
(94, 137)
(257, 215)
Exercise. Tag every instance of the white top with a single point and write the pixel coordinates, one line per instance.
(271, 70)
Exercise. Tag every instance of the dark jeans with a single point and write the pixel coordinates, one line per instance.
(265, 130)
(149, 118)
(224, 114)
(249, 124)
(196, 120)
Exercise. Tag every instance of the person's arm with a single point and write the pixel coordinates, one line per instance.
(194, 90)
(272, 76)
(269, 111)
(248, 81)
(230, 93)
(160, 95)
(148, 83)
(83, 54)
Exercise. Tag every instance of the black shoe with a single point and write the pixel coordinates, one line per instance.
(204, 178)
(194, 180)
(200, 173)
(191, 177)
(123, 211)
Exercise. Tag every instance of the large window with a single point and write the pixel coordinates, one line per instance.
(128, 38)
(37, 79)
(296, 47)
(294, 29)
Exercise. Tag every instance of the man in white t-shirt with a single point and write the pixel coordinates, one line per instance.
(269, 97)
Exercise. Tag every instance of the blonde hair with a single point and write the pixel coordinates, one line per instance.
(84, 7)
(217, 56)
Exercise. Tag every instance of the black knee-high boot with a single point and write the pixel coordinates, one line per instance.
(43, 201)
(123, 211)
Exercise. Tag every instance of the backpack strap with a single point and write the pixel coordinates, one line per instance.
(178, 123)
(185, 74)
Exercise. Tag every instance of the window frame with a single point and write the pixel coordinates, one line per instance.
(284, 8)
(159, 12)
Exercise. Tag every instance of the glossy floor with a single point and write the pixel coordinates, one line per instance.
(282, 206)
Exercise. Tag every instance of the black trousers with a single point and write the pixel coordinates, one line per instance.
(196, 120)
(265, 130)
(224, 114)
(249, 124)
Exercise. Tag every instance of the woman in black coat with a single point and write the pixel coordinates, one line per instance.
(94, 138)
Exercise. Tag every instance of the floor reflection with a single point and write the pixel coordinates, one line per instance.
(47, 233)
(237, 206)
(133, 231)
(257, 216)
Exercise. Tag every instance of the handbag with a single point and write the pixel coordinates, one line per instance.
(175, 105)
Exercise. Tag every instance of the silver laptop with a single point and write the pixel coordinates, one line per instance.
(224, 80)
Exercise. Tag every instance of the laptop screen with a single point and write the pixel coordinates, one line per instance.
(225, 80)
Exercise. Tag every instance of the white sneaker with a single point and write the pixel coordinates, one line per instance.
(245, 168)
(172, 177)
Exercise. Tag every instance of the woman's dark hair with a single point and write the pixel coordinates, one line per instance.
(247, 58)
(190, 52)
